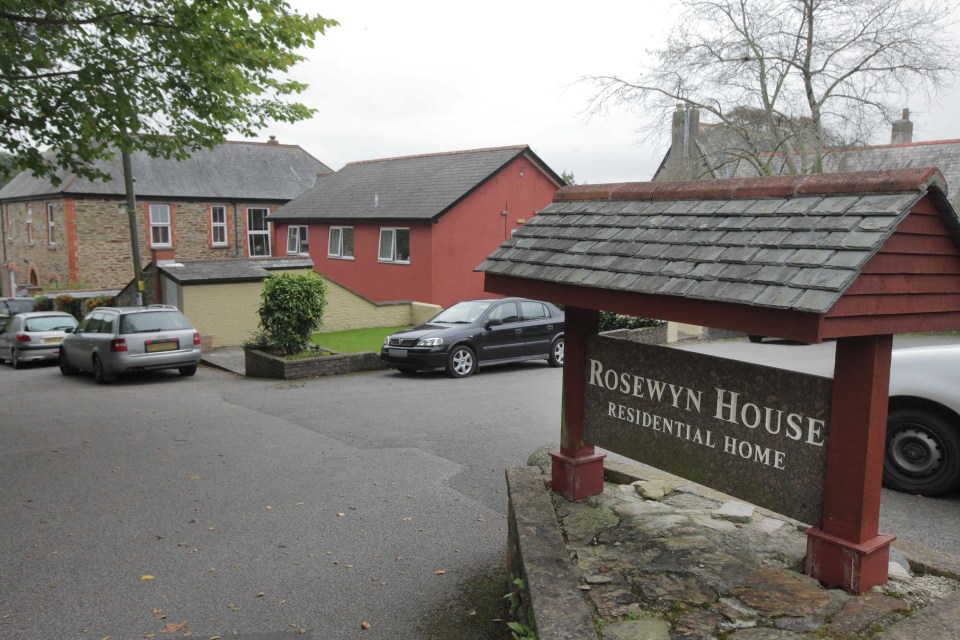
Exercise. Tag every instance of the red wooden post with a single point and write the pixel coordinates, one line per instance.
(848, 551)
(577, 470)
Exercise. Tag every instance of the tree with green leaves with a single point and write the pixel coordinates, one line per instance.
(84, 78)
(291, 310)
(793, 77)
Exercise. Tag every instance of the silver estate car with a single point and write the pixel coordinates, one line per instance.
(27, 337)
(112, 341)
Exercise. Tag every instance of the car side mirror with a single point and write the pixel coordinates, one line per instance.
(493, 322)
(69, 329)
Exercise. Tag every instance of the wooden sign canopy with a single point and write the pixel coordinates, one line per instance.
(853, 256)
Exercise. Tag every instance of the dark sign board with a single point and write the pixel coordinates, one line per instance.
(754, 432)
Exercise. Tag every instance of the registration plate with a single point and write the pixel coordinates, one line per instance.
(397, 353)
(152, 346)
(52, 340)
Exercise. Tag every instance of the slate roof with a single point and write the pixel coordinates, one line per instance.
(421, 187)
(209, 272)
(942, 154)
(231, 171)
(714, 142)
(785, 242)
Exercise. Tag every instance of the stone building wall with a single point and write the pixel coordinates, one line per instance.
(92, 239)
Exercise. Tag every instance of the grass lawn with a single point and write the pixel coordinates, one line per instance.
(354, 340)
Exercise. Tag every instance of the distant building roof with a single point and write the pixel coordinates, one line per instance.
(230, 171)
(217, 271)
(715, 151)
(421, 187)
(787, 242)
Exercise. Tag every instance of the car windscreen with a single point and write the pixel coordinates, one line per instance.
(49, 323)
(461, 313)
(151, 321)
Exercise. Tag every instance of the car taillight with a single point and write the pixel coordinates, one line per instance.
(119, 344)
(22, 337)
(196, 338)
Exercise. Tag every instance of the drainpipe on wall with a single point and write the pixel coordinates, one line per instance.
(236, 232)
(4, 212)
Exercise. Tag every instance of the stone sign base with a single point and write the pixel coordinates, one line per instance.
(692, 562)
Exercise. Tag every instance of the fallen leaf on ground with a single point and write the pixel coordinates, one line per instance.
(173, 627)
(146, 578)
(439, 572)
(364, 625)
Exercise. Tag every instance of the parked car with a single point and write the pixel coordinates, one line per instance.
(923, 423)
(10, 306)
(113, 341)
(27, 337)
(476, 333)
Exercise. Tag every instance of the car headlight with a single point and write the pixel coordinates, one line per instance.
(429, 342)
(387, 340)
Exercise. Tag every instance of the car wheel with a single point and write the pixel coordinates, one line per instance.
(556, 353)
(99, 375)
(461, 362)
(755, 338)
(64, 365)
(186, 372)
(922, 453)
(15, 359)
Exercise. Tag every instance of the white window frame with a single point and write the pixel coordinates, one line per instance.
(217, 226)
(51, 226)
(160, 230)
(29, 221)
(253, 234)
(335, 244)
(298, 240)
(387, 251)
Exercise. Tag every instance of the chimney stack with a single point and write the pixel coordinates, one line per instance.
(272, 140)
(902, 130)
(685, 129)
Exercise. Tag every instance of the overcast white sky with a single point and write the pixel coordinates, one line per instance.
(403, 78)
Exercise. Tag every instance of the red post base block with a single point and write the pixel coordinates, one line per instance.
(577, 478)
(836, 562)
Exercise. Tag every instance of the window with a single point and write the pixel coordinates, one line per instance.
(258, 233)
(531, 310)
(297, 240)
(394, 245)
(51, 228)
(29, 224)
(341, 242)
(218, 226)
(505, 313)
(160, 225)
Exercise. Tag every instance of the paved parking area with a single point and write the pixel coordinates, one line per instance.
(260, 508)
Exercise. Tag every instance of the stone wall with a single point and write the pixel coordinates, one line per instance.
(259, 364)
(92, 238)
(48, 260)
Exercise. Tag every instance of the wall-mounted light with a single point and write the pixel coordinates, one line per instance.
(504, 212)
(522, 169)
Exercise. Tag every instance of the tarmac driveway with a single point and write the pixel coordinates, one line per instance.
(251, 507)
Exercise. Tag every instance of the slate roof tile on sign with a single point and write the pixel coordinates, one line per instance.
(765, 207)
(783, 246)
(769, 238)
(836, 204)
(774, 256)
(810, 257)
(891, 204)
(797, 206)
